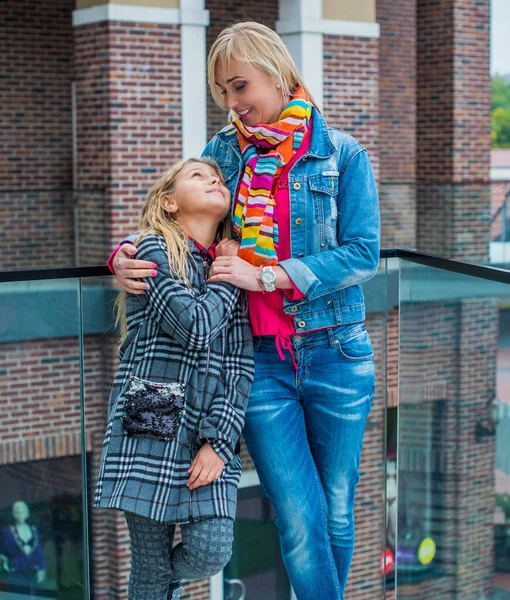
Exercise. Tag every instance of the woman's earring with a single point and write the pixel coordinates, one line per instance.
(278, 86)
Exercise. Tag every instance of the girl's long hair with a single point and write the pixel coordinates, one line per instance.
(156, 220)
(258, 46)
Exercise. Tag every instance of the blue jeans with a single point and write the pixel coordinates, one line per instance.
(304, 430)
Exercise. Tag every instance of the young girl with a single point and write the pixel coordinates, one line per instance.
(178, 401)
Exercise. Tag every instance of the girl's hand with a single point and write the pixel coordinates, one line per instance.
(227, 248)
(128, 270)
(206, 467)
(236, 271)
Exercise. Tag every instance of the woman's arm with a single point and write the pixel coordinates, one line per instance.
(194, 319)
(242, 274)
(354, 261)
(358, 232)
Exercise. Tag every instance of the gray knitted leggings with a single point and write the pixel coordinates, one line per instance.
(205, 549)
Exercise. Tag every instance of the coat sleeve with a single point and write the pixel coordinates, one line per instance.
(357, 256)
(194, 318)
(222, 425)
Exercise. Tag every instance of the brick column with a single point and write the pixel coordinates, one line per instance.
(453, 131)
(128, 103)
(397, 122)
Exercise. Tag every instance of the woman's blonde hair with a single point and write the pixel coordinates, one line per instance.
(156, 220)
(258, 46)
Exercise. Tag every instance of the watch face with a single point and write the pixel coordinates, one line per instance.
(267, 275)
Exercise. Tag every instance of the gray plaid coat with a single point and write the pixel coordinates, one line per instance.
(199, 337)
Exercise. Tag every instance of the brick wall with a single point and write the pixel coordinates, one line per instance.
(223, 14)
(351, 93)
(36, 220)
(129, 124)
(454, 220)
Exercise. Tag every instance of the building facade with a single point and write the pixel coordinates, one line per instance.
(99, 97)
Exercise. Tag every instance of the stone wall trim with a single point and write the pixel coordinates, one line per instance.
(139, 14)
(328, 27)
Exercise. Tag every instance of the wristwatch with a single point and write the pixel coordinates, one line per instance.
(267, 278)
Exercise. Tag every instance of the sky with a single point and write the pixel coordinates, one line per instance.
(500, 37)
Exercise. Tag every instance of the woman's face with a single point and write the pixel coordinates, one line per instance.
(251, 93)
(198, 191)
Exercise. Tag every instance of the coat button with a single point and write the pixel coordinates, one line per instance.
(293, 309)
(300, 255)
(298, 221)
(301, 324)
(297, 186)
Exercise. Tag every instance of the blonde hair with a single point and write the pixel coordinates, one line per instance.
(156, 220)
(259, 46)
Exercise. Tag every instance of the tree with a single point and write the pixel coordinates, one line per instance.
(500, 112)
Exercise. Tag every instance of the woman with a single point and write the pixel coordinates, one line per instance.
(305, 208)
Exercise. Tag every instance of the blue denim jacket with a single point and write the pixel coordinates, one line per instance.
(334, 229)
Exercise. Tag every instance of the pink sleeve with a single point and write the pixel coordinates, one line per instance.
(294, 293)
(109, 262)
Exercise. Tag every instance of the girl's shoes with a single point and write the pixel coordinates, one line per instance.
(174, 591)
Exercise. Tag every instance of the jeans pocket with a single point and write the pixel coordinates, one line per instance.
(153, 410)
(353, 343)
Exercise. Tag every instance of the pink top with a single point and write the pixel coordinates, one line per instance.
(266, 310)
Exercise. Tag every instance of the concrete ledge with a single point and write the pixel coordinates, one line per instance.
(328, 27)
(140, 14)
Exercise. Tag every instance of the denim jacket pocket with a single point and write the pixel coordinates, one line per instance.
(353, 342)
(324, 191)
(153, 410)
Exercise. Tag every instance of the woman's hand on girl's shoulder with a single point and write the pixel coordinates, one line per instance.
(130, 271)
(226, 247)
(206, 467)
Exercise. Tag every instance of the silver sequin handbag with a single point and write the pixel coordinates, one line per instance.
(153, 410)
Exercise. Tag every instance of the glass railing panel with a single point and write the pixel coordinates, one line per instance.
(450, 526)
(42, 501)
(256, 565)
(109, 544)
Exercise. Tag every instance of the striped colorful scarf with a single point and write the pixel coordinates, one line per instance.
(266, 149)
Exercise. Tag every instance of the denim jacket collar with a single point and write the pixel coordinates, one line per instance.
(321, 145)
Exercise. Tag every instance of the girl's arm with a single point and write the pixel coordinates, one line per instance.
(193, 318)
(222, 426)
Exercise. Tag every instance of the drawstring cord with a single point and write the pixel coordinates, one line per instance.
(283, 343)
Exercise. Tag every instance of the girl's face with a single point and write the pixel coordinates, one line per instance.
(198, 191)
(251, 93)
